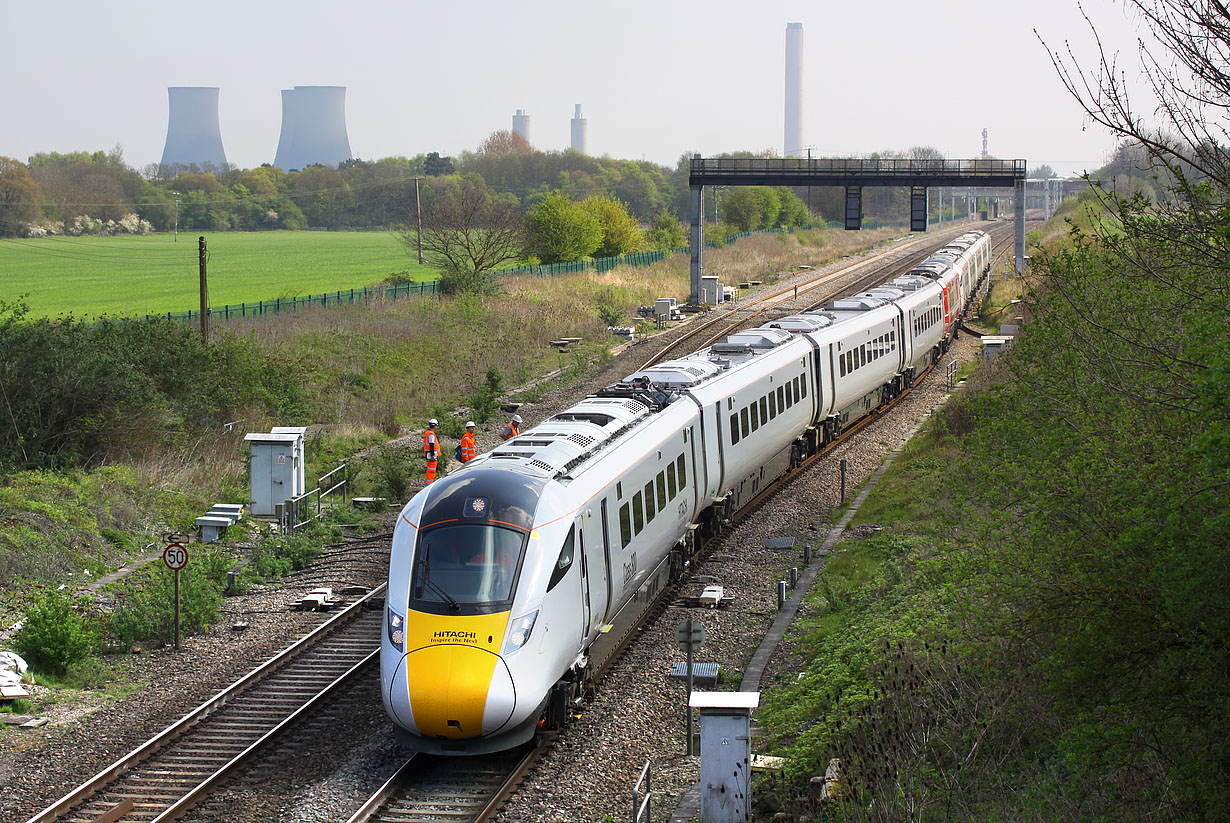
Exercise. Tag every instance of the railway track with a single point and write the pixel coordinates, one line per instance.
(180, 767)
(872, 271)
(176, 771)
(472, 789)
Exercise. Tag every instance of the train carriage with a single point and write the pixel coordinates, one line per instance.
(507, 575)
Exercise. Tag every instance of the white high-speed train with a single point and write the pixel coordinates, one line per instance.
(505, 573)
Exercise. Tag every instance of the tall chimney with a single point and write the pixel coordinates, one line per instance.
(793, 145)
(521, 124)
(580, 132)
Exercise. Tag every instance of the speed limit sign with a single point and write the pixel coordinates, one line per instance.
(175, 556)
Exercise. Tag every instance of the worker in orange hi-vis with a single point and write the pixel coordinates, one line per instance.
(468, 449)
(513, 428)
(431, 448)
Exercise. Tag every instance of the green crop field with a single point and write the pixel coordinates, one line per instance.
(129, 276)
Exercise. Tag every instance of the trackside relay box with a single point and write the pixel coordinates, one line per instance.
(277, 471)
(725, 754)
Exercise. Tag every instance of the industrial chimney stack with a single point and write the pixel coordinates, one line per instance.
(193, 135)
(521, 124)
(580, 132)
(313, 128)
(793, 146)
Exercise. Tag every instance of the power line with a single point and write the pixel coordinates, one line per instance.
(29, 248)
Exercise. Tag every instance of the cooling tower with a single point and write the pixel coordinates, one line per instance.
(521, 124)
(313, 127)
(580, 132)
(193, 135)
(793, 145)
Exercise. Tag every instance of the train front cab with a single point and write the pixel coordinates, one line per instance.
(450, 626)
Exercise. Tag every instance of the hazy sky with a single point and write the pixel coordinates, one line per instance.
(656, 78)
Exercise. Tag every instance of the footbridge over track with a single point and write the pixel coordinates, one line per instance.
(853, 174)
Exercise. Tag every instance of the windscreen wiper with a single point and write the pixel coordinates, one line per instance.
(425, 580)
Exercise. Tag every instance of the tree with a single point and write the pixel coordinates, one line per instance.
(20, 197)
(560, 230)
(793, 210)
(502, 143)
(1042, 172)
(751, 207)
(620, 232)
(468, 232)
(434, 165)
(322, 193)
(667, 233)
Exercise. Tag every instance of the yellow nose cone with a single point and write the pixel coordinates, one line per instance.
(450, 687)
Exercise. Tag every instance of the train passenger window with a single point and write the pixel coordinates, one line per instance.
(670, 480)
(638, 513)
(661, 491)
(619, 490)
(565, 560)
(650, 510)
(803, 386)
(798, 382)
(781, 399)
(764, 410)
(625, 526)
(772, 405)
(755, 407)
(743, 422)
(841, 362)
(734, 429)
(683, 477)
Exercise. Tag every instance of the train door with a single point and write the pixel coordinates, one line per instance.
(586, 607)
(597, 555)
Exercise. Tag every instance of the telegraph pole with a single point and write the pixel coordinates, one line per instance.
(418, 216)
(204, 295)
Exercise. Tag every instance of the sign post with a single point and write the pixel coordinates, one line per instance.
(690, 636)
(176, 557)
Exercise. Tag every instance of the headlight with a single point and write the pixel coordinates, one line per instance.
(520, 633)
(397, 634)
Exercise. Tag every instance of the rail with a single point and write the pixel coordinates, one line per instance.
(150, 748)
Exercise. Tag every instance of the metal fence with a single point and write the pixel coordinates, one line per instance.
(366, 295)
(297, 511)
(281, 304)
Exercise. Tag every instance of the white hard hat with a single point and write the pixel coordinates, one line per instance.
(469, 424)
(516, 418)
(433, 422)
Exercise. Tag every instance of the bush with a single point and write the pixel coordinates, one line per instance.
(54, 635)
(485, 399)
(392, 473)
(266, 561)
(610, 315)
(145, 610)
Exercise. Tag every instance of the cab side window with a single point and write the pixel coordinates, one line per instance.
(564, 563)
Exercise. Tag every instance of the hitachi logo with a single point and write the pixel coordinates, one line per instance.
(455, 636)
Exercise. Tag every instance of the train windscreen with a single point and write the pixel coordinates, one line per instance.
(466, 566)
